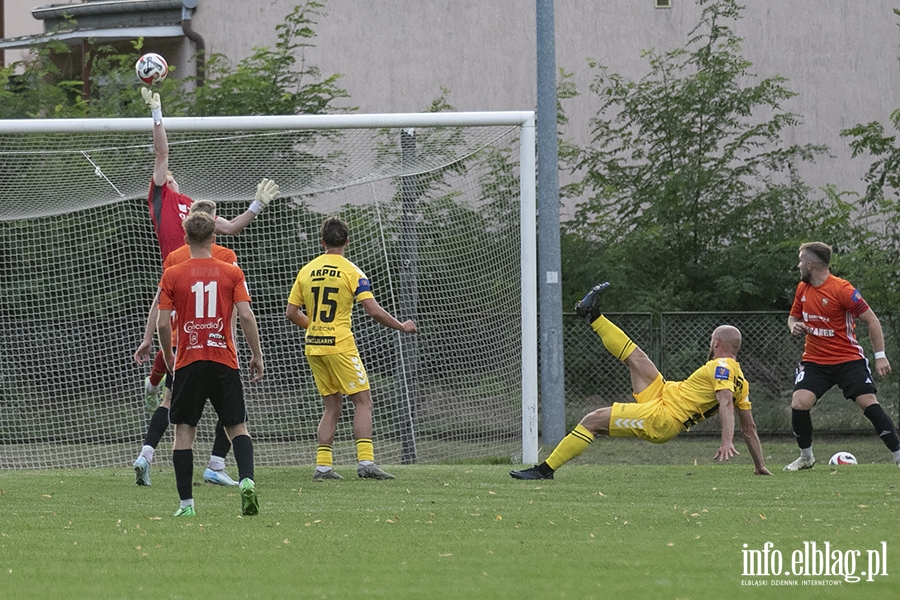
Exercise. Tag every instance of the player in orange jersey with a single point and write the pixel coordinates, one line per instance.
(824, 311)
(203, 293)
(663, 409)
(168, 207)
(215, 471)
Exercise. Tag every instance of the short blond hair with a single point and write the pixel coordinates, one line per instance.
(204, 206)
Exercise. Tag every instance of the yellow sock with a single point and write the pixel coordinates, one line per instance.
(324, 457)
(615, 340)
(365, 450)
(571, 446)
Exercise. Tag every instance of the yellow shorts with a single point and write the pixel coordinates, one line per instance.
(342, 373)
(647, 419)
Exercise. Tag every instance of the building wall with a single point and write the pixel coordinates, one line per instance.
(840, 56)
(18, 22)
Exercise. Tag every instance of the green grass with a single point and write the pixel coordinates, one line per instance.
(449, 531)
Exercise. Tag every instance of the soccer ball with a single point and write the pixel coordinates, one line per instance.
(842, 458)
(151, 68)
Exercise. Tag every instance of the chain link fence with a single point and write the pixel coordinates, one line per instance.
(678, 343)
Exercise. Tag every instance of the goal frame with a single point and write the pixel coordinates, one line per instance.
(524, 120)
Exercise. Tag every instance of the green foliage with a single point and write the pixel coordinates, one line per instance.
(690, 193)
(271, 81)
(871, 262)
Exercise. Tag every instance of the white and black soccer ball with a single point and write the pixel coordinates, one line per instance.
(842, 458)
(151, 68)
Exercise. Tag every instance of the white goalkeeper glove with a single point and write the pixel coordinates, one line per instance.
(266, 191)
(152, 100)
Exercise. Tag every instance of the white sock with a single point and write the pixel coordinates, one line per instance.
(366, 462)
(216, 463)
(189, 502)
(147, 453)
(323, 469)
(896, 456)
(806, 453)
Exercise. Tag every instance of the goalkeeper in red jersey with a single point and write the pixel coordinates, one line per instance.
(663, 409)
(168, 207)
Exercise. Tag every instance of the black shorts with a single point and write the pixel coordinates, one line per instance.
(854, 378)
(196, 382)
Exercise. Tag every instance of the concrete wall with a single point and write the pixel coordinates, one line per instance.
(840, 56)
(18, 22)
(396, 55)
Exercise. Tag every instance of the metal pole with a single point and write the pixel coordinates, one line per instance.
(409, 293)
(553, 404)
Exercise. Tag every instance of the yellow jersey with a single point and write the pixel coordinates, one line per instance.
(326, 289)
(694, 399)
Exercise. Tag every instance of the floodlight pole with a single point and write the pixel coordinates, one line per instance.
(553, 404)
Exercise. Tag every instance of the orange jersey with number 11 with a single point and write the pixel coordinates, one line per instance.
(203, 292)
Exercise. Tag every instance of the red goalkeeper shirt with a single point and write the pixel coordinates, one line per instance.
(167, 210)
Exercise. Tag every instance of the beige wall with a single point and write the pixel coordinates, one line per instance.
(19, 22)
(839, 55)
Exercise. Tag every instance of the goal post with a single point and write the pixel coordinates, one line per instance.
(441, 209)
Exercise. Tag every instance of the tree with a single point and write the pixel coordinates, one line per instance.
(690, 193)
(871, 259)
(272, 81)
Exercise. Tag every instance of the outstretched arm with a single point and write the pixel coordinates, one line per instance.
(751, 438)
(160, 139)
(374, 310)
(266, 191)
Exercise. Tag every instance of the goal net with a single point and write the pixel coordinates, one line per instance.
(440, 217)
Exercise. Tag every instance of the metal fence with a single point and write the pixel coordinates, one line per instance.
(679, 342)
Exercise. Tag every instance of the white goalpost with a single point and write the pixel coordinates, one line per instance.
(441, 209)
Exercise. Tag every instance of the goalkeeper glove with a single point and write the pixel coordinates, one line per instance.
(266, 191)
(152, 100)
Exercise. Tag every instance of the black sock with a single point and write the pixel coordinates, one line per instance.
(884, 427)
(159, 422)
(221, 444)
(801, 422)
(183, 461)
(544, 469)
(243, 456)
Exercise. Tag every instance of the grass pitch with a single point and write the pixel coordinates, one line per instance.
(672, 531)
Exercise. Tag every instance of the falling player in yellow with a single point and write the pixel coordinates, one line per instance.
(326, 289)
(663, 408)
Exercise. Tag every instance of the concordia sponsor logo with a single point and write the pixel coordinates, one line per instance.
(812, 560)
(191, 327)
